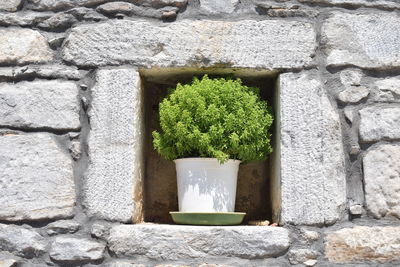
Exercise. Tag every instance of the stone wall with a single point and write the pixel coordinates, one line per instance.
(72, 129)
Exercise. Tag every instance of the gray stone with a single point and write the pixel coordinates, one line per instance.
(118, 8)
(50, 5)
(23, 242)
(310, 262)
(388, 90)
(263, 44)
(363, 244)
(36, 181)
(8, 263)
(113, 8)
(115, 152)
(365, 40)
(379, 123)
(161, 3)
(71, 250)
(60, 21)
(100, 230)
(349, 113)
(9, 5)
(40, 104)
(123, 264)
(312, 180)
(62, 227)
(218, 6)
(175, 242)
(382, 180)
(301, 255)
(23, 18)
(384, 4)
(308, 236)
(75, 149)
(21, 46)
(54, 39)
(353, 94)
(351, 77)
(50, 71)
(356, 210)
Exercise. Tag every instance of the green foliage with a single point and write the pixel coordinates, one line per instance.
(217, 118)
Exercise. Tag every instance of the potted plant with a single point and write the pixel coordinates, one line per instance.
(209, 127)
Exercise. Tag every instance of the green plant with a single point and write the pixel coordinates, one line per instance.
(217, 118)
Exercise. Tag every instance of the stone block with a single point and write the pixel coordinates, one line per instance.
(363, 244)
(218, 6)
(23, 242)
(312, 180)
(62, 227)
(23, 18)
(36, 178)
(368, 41)
(115, 147)
(353, 94)
(379, 123)
(40, 104)
(382, 180)
(264, 44)
(176, 242)
(76, 251)
(22, 46)
(9, 5)
(382, 4)
(387, 90)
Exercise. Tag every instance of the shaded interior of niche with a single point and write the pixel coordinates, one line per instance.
(160, 189)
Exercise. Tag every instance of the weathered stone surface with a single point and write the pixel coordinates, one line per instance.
(284, 9)
(362, 243)
(349, 113)
(310, 262)
(76, 250)
(8, 263)
(123, 264)
(351, 77)
(50, 104)
(218, 6)
(58, 5)
(173, 242)
(161, 3)
(21, 46)
(49, 71)
(356, 210)
(263, 44)
(60, 21)
(36, 178)
(62, 227)
(364, 40)
(382, 180)
(301, 255)
(353, 94)
(308, 236)
(115, 152)
(313, 180)
(100, 230)
(113, 8)
(9, 5)
(23, 242)
(117, 8)
(23, 18)
(75, 149)
(384, 4)
(388, 90)
(379, 123)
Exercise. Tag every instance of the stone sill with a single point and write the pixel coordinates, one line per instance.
(180, 242)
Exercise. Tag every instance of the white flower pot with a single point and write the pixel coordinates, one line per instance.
(204, 185)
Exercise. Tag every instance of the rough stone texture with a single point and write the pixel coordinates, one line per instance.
(113, 8)
(9, 5)
(21, 46)
(23, 18)
(174, 242)
(219, 6)
(349, 113)
(40, 104)
(353, 94)
(100, 230)
(384, 4)
(362, 243)
(58, 5)
(115, 152)
(42, 71)
(70, 250)
(297, 256)
(118, 8)
(351, 77)
(259, 44)
(313, 181)
(379, 123)
(382, 180)
(23, 242)
(308, 236)
(8, 263)
(58, 21)
(36, 179)
(62, 227)
(388, 90)
(356, 210)
(364, 40)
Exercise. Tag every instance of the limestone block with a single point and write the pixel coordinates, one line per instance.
(62, 227)
(23, 242)
(382, 180)
(218, 6)
(362, 243)
(264, 44)
(364, 40)
(40, 104)
(21, 46)
(379, 123)
(174, 242)
(313, 180)
(36, 178)
(112, 188)
(76, 250)
(9, 5)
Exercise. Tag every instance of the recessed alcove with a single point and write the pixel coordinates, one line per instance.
(159, 188)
